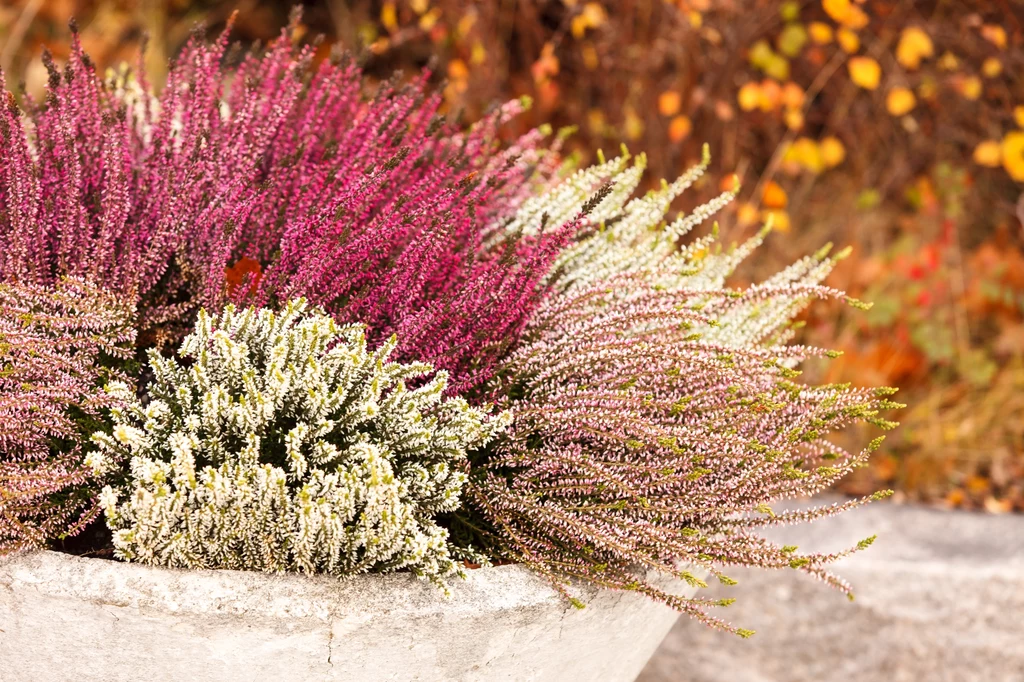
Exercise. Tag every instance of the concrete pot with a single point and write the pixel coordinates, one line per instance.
(78, 619)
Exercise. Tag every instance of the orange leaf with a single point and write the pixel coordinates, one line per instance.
(669, 103)
(245, 269)
(988, 153)
(821, 33)
(457, 70)
(792, 95)
(679, 128)
(994, 34)
(774, 196)
(389, 16)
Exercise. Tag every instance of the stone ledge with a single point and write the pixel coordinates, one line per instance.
(940, 598)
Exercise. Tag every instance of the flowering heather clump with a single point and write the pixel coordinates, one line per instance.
(656, 413)
(278, 442)
(273, 179)
(55, 345)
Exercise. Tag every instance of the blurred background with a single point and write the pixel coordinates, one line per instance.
(892, 126)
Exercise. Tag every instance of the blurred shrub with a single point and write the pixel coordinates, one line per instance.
(893, 125)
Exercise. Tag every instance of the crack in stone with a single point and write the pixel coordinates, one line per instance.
(330, 647)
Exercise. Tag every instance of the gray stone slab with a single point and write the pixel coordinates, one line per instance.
(940, 598)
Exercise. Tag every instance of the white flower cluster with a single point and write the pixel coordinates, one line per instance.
(632, 235)
(279, 442)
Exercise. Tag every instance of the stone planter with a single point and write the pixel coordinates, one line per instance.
(77, 619)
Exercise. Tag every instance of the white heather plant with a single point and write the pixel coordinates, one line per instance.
(276, 441)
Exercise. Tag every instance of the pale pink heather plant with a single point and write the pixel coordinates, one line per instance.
(56, 343)
(656, 413)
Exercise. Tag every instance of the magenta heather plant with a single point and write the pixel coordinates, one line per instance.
(57, 342)
(283, 174)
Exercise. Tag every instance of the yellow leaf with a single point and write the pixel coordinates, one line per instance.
(596, 121)
(991, 67)
(928, 88)
(633, 125)
(792, 39)
(948, 61)
(746, 214)
(846, 13)
(821, 33)
(837, 9)
(759, 54)
(914, 46)
(590, 58)
(749, 96)
(465, 24)
(794, 119)
(1018, 115)
(595, 14)
(774, 196)
(848, 40)
(970, 87)
(696, 19)
(578, 26)
(988, 153)
(478, 55)
(679, 128)
(994, 34)
(419, 6)
(832, 152)
(900, 101)
(592, 16)
(806, 152)
(780, 220)
(669, 103)
(389, 16)
(428, 20)
(865, 72)
(1013, 155)
(777, 67)
(856, 18)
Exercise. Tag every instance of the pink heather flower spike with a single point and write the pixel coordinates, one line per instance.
(54, 342)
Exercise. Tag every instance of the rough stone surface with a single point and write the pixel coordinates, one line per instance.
(70, 618)
(940, 598)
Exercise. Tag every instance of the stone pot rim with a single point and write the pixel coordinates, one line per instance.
(275, 595)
